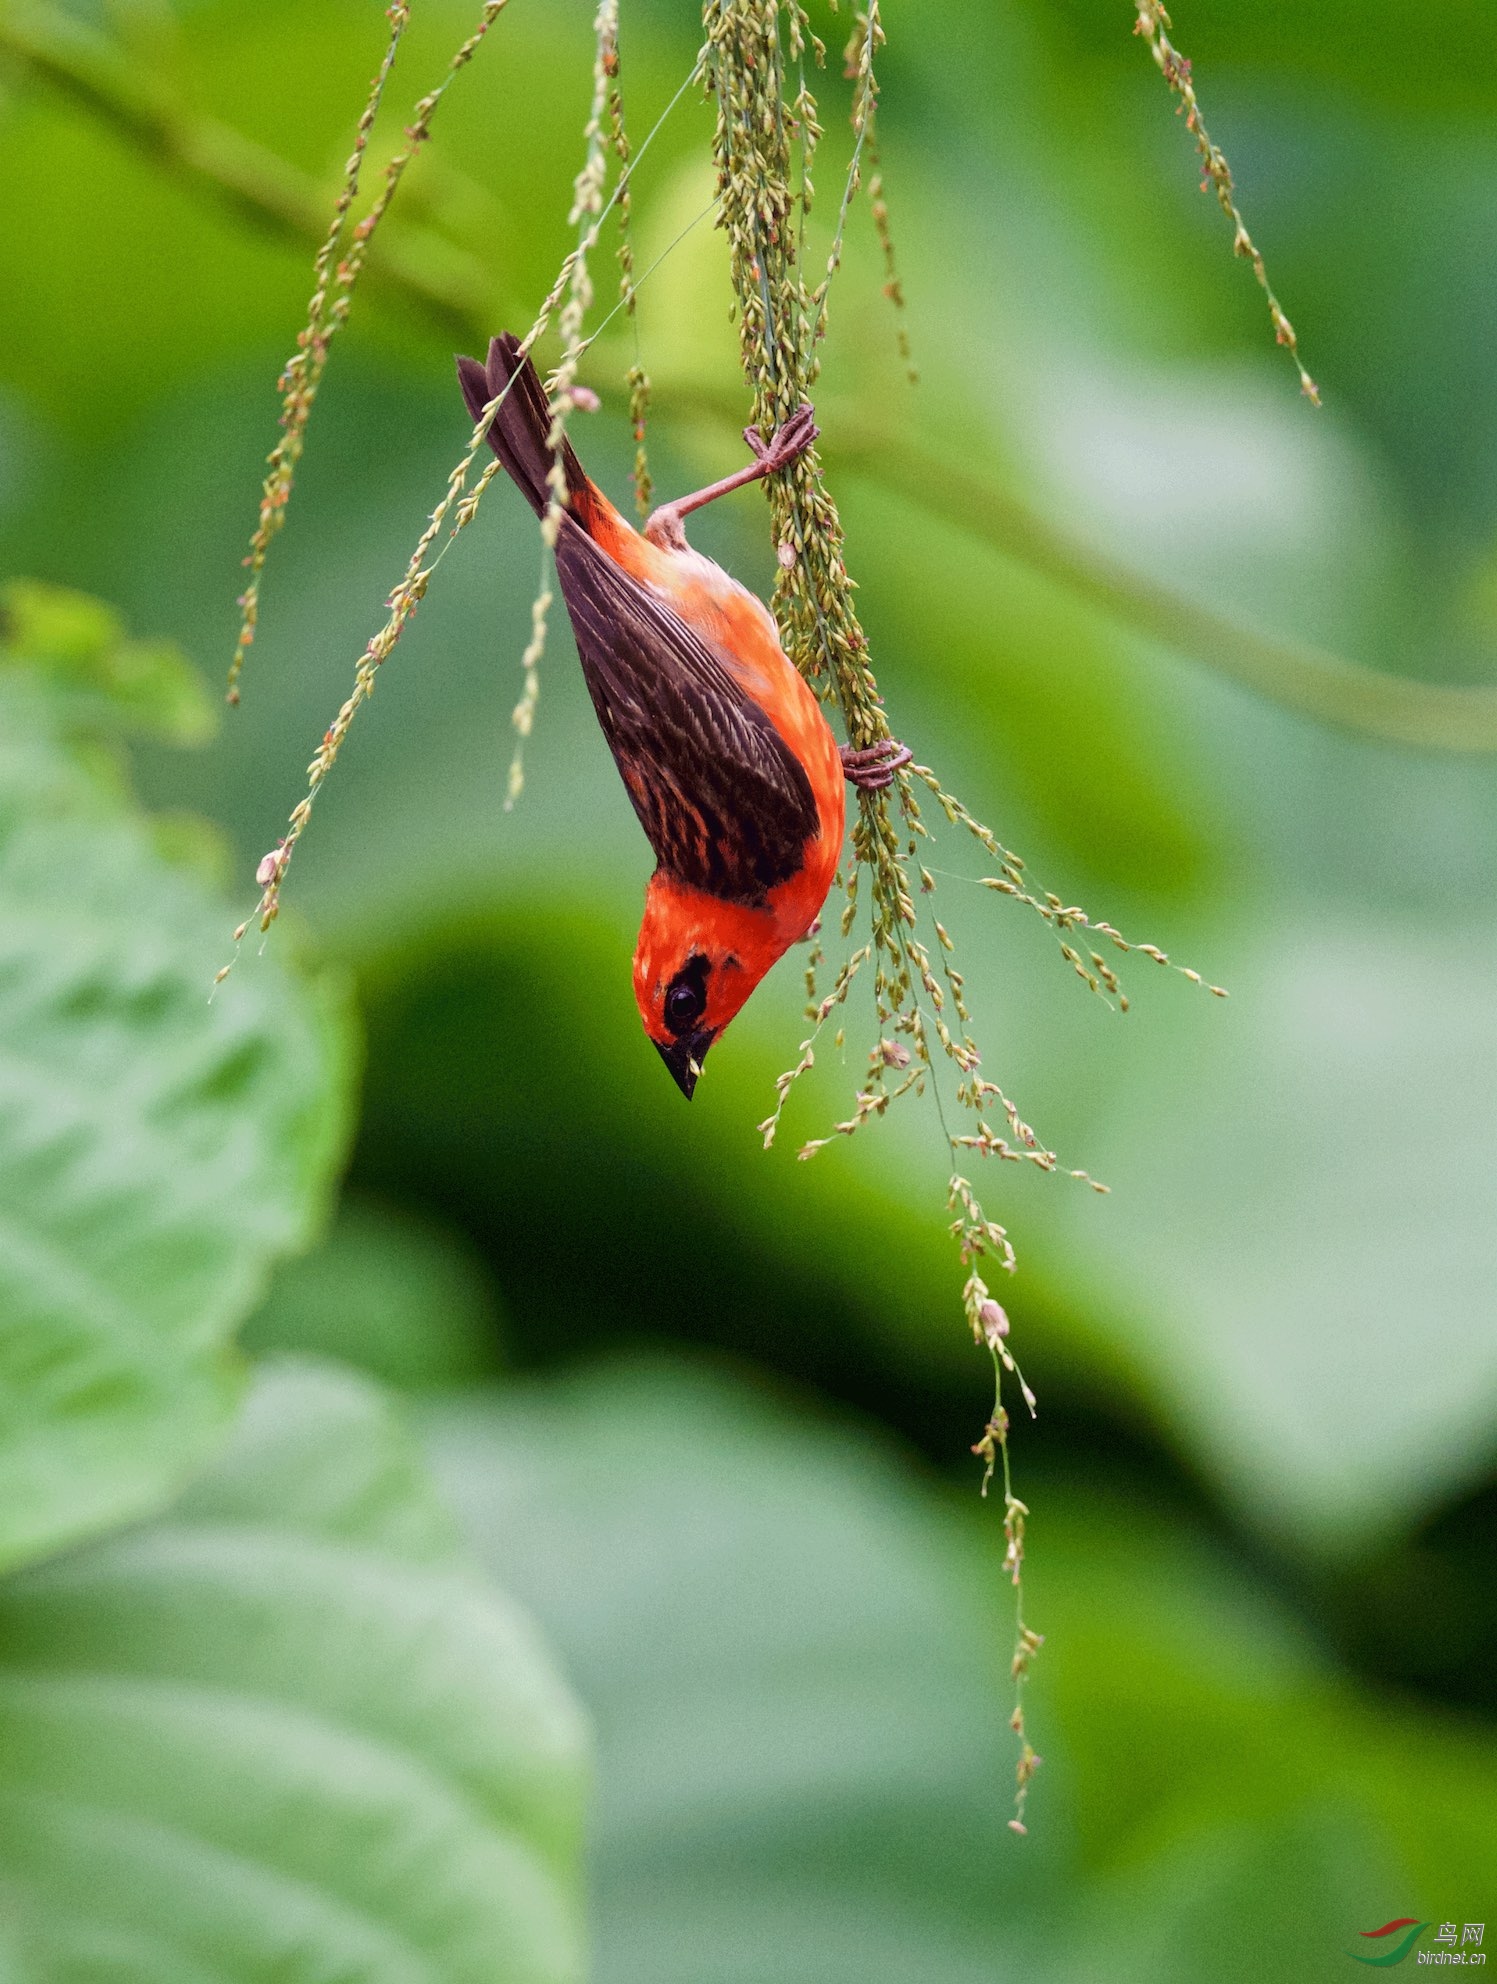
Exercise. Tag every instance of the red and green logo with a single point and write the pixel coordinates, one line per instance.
(1404, 1933)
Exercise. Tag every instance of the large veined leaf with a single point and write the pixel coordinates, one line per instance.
(797, 1659)
(286, 1732)
(803, 1762)
(157, 1151)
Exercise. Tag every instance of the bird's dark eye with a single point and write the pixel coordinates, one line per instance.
(683, 1006)
(686, 996)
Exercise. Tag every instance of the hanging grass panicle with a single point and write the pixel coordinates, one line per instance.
(1153, 23)
(992, 1449)
(460, 504)
(919, 995)
(782, 320)
(637, 378)
(585, 215)
(858, 68)
(302, 373)
(334, 281)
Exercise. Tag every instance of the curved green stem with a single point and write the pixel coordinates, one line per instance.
(1426, 715)
(1314, 681)
(447, 284)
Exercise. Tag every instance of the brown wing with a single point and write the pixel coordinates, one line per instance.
(723, 800)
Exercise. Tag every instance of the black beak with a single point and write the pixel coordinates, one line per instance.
(684, 1057)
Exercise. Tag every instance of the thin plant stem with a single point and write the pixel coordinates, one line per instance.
(334, 280)
(302, 372)
(523, 717)
(878, 206)
(637, 379)
(587, 206)
(1152, 22)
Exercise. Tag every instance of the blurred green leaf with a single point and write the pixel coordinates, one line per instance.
(157, 1151)
(1300, 1227)
(388, 1293)
(1241, 1810)
(76, 645)
(789, 1659)
(286, 1732)
(797, 1659)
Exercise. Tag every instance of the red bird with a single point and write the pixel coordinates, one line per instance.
(722, 747)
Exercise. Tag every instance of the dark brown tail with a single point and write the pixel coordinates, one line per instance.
(520, 429)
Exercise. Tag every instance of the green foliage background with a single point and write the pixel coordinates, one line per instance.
(269, 1706)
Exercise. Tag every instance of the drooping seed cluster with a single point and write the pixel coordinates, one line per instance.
(460, 503)
(637, 378)
(1153, 23)
(767, 132)
(587, 206)
(782, 319)
(333, 282)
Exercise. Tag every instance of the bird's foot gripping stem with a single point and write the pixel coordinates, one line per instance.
(872, 769)
(787, 443)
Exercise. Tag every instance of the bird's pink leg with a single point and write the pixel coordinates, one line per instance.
(783, 447)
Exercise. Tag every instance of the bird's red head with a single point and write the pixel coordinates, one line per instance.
(697, 960)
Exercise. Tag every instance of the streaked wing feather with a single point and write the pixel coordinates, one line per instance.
(723, 801)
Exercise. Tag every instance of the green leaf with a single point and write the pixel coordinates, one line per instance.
(286, 1733)
(389, 1294)
(157, 1151)
(789, 1658)
(77, 646)
(798, 1661)
(1241, 1808)
(1299, 1240)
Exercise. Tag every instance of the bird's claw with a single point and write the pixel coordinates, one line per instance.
(872, 769)
(787, 442)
